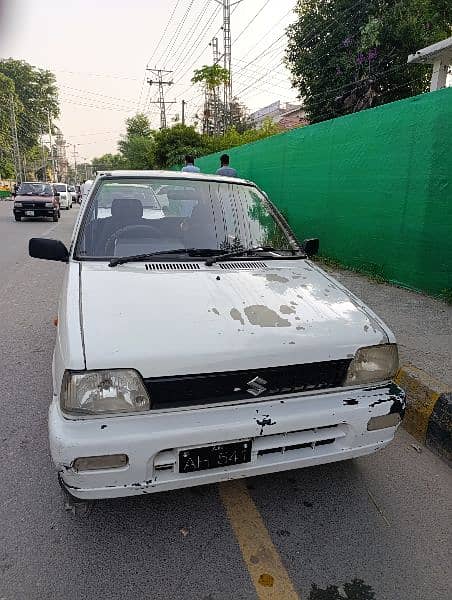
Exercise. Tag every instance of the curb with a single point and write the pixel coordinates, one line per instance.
(428, 415)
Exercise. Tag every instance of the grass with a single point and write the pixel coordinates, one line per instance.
(446, 295)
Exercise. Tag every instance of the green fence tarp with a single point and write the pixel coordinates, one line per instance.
(375, 187)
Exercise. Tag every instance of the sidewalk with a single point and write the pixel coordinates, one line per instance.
(423, 329)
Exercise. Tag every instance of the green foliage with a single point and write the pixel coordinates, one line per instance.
(233, 138)
(446, 295)
(171, 145)
(37, 93)
(109, 161)
(211, 76)
(6, 160)
(345, 56)
(137, 147)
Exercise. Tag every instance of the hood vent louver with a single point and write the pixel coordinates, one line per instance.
(195, 266)
(172, 266)
(243, 265)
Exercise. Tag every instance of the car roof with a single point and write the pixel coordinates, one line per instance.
(174, 175)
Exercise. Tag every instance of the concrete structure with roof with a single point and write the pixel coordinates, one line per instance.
(440, 56)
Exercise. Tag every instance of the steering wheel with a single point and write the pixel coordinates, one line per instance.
(149, 230)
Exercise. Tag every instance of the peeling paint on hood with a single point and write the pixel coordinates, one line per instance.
(171, 323)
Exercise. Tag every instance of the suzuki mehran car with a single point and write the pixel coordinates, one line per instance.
(36, 199)
(198, 342)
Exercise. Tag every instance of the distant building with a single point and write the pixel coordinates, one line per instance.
(286, 115)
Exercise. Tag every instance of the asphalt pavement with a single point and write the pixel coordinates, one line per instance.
(375, 528)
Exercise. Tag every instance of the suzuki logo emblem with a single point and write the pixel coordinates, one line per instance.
(256, 386)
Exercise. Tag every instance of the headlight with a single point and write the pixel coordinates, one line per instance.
(18, 204)
(49, 204)
(103, 392)
(372, 364)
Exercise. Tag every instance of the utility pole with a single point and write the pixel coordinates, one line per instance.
(160, 73)
(51, 147)
(216, 91)
(43, 158)
(16, 149)
(184, 103)
(227, 56)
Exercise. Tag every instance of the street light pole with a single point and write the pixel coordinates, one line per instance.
(51, 147)
(75, 164)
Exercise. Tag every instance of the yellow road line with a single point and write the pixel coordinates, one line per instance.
(262, 560)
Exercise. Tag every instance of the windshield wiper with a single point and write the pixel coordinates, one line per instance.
(120, 260)
(243, 252)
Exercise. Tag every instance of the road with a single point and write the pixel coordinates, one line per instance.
(383, 519)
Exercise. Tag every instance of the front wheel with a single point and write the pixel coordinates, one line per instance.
(17, 217)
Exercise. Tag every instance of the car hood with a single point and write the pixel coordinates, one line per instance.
(34, 198)
(220, 318)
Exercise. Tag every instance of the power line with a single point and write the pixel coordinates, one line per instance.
(251, 21)
(155, 50)
(181, 50)
(194, 48)
(167, 51)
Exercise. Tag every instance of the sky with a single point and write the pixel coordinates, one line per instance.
(99, 51)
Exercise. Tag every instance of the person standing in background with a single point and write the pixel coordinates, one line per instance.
(85, 188)
(225, 169)
(190, 165)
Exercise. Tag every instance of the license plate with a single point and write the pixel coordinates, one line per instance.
(29, 213)
(212, 457)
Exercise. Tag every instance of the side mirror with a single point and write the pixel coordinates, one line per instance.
(310, 247)
(48, 249)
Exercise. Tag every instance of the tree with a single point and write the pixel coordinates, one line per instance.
(138, 145)
(345, 55)
(37, 92)
(109, 161)
(7, 91)
(171, 145)
(239, 116)
(211, 77)
(233, 138)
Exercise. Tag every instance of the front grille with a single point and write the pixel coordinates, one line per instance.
(231, 386)
(31, 205)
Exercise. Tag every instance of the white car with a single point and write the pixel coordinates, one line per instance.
(65, 196)
(73, 192)
(204, 347)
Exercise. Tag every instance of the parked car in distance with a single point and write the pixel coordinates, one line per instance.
(203, 344)
(36, 199)
(65, 195)
(73, 193)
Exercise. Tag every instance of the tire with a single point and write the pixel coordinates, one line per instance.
(55, 217)
(17, 217)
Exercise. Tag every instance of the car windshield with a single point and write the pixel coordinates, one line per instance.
(35, 189)
(127, 217)
(60, 187)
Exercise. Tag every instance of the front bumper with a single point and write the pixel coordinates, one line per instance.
(286, 433)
